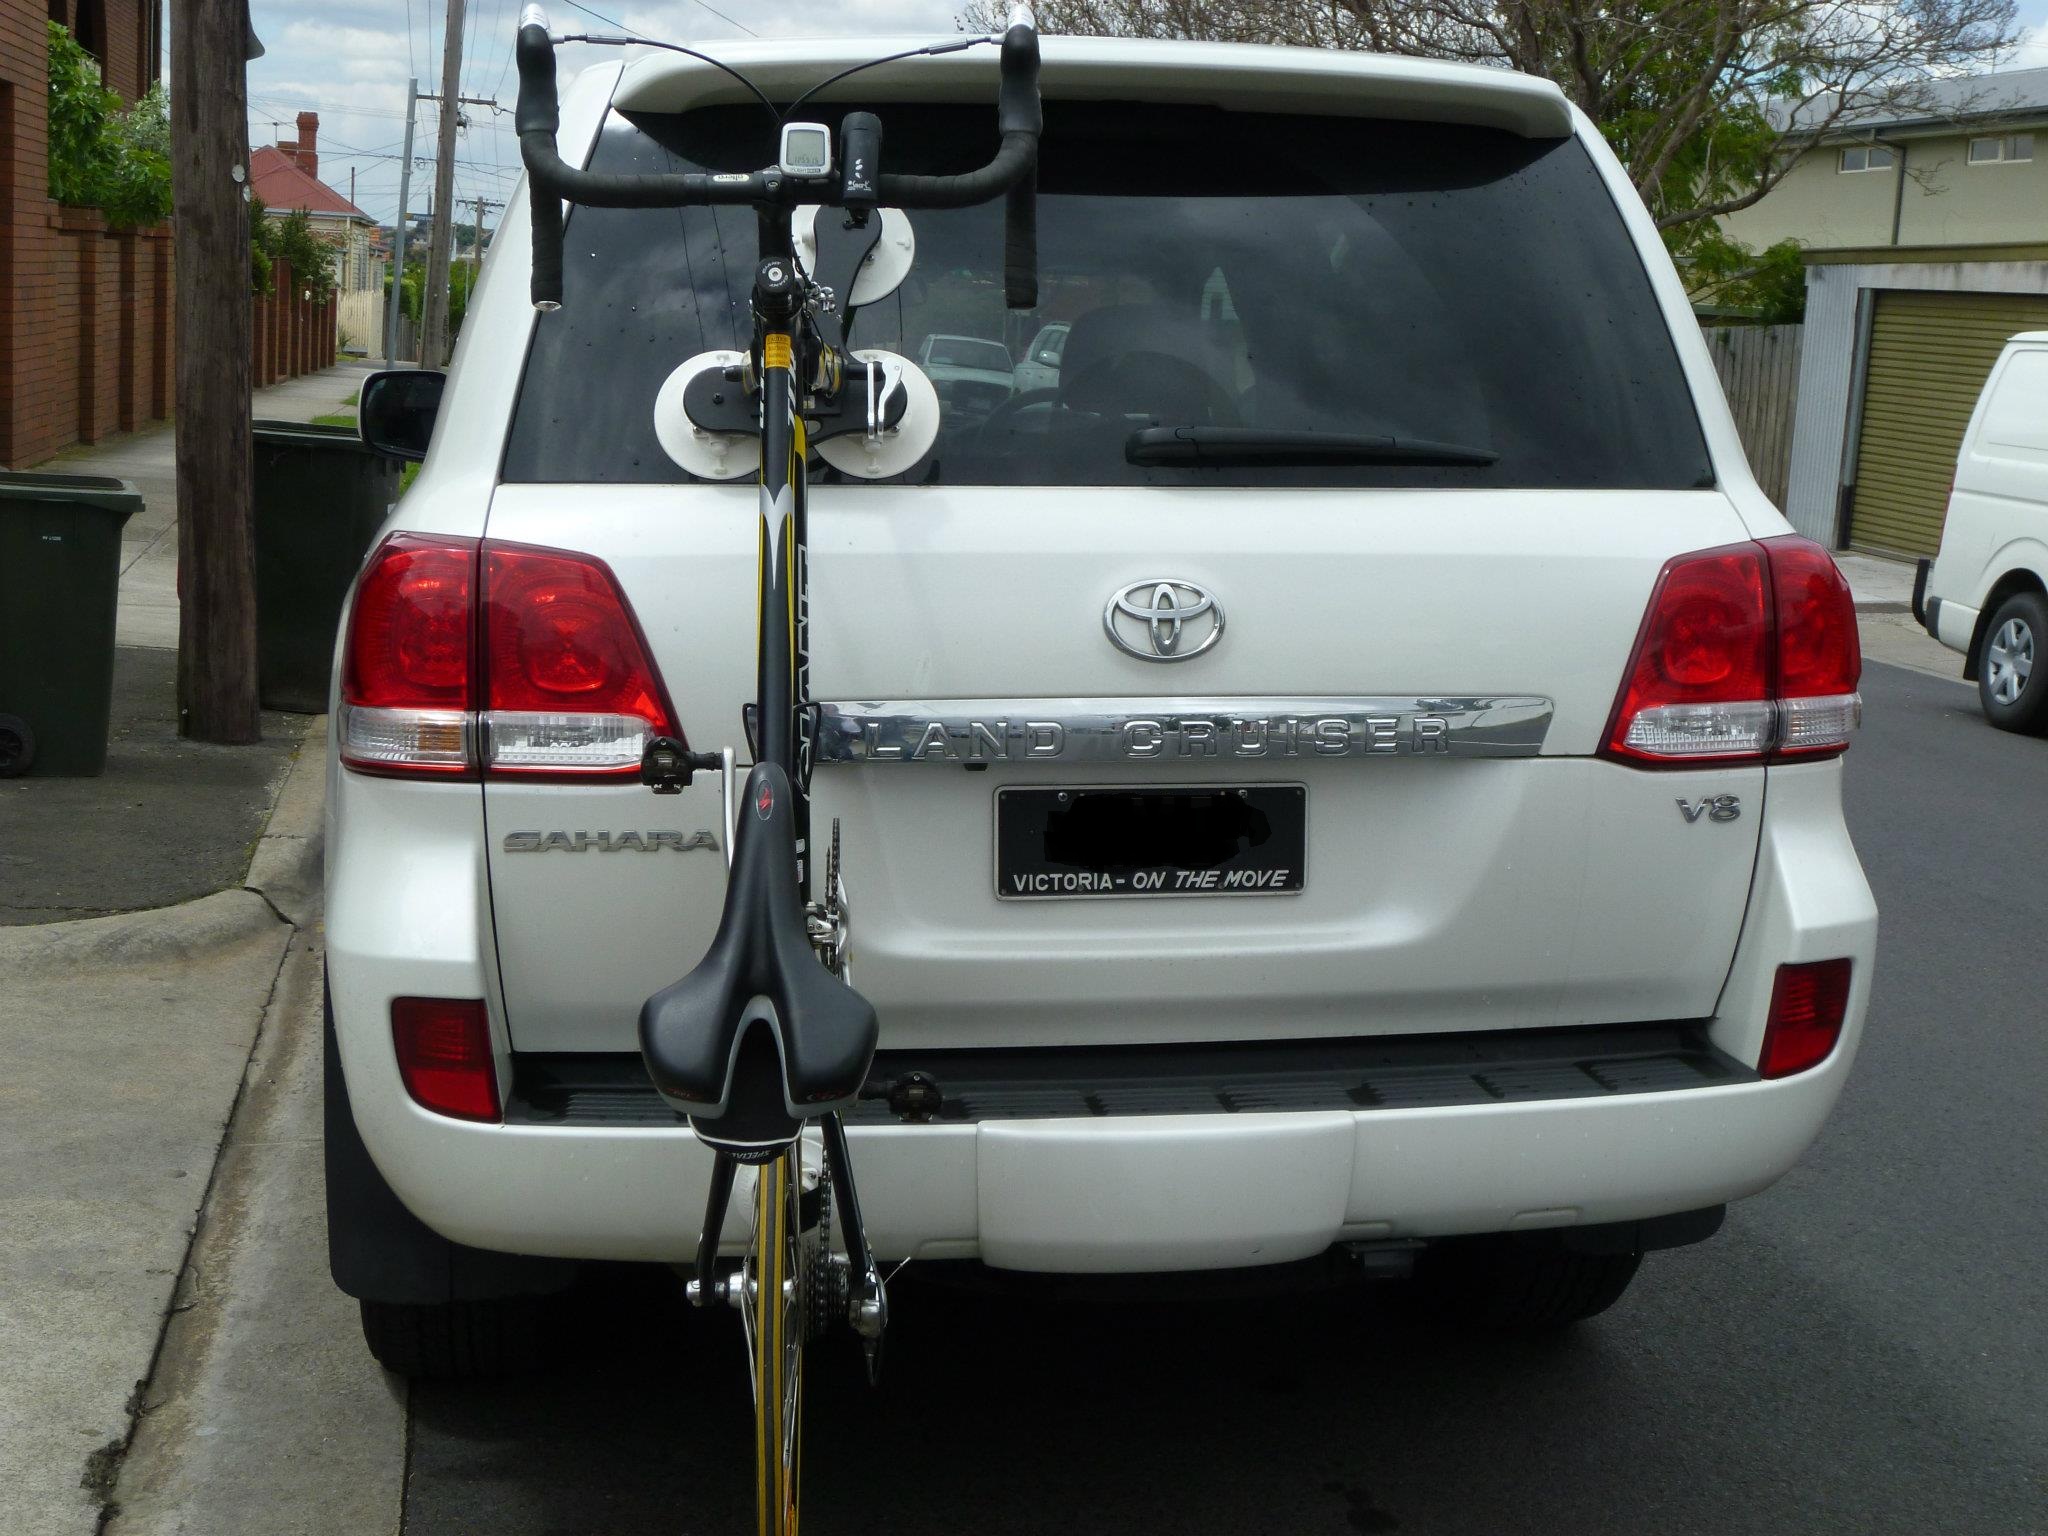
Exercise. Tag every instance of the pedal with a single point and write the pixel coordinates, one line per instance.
(729, 1288)
(667, 766)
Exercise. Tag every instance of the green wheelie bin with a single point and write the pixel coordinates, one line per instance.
(60, 573)
(320, 494)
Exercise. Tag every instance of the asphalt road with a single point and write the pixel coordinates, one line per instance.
(1864, 1348)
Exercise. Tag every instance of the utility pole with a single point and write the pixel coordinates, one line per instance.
(476, 249)
(396, 305)
(211, 42)
(434, 319)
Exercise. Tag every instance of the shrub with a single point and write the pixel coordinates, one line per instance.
(100, 155)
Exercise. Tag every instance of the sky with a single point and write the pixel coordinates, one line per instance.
(349, 60)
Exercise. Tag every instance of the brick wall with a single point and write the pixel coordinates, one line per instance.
(85, 325)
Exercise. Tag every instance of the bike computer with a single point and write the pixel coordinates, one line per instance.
(806, 150)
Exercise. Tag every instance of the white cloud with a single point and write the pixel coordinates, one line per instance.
(2032, 52)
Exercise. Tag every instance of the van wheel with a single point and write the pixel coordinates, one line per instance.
(1506, 1285)
(2014, 698)
(456, 1340)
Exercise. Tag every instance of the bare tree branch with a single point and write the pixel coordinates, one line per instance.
(1697, 97)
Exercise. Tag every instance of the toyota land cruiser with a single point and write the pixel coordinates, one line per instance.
(1431, 858)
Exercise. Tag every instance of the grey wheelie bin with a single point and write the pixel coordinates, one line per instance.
(60, 571)
(320, 495)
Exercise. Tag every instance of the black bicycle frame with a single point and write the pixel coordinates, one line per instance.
(782, 673)
(699, 1023)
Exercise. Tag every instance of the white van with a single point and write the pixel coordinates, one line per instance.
(1986, 593)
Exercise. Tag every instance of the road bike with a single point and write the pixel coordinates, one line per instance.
(765, 1044)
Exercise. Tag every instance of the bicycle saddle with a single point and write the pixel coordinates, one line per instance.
(759, 1037)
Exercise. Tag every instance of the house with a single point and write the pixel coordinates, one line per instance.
(286, 176)
(1926, 238)
(85, 327)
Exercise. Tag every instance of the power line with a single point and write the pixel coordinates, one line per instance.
(706, 4)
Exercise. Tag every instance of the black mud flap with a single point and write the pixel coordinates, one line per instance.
(377, 1250)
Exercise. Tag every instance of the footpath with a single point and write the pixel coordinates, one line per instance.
(134, 1041)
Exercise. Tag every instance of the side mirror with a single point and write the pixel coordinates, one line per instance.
(396, 409)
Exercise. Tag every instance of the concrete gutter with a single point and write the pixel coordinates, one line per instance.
(127, 1040)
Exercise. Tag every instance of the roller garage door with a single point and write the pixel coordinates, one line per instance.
(1929, 356)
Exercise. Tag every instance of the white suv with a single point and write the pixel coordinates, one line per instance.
(1491, 957)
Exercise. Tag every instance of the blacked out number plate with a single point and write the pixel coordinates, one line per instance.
(1230, 840)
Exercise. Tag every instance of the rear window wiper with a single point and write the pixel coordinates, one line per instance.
(1226, 447)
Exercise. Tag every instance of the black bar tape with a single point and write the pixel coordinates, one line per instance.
(1020, 242)
(1017, 109)
(1013, 160)
(545, 219)
(537, 111)
(537, 116)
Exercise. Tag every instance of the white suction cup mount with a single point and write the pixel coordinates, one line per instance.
(880, 452)
(882, 273)
(707, 455)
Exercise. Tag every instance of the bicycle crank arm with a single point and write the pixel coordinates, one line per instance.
(705, 1285)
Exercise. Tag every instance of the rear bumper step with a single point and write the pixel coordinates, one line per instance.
(1403, 1072)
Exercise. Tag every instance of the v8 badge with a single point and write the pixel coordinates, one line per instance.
(1713, 807)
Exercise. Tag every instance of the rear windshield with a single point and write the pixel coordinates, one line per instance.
(1199, 268)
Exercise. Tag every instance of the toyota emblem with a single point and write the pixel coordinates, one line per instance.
(1161, 619)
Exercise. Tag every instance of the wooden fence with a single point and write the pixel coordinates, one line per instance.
(359, 318)
(1759, 368)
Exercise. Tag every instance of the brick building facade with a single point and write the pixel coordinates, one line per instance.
(85, 329)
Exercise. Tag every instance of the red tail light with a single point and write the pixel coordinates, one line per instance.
(405, 672)
(1820, 658)
(444, 1055)
(1808, 1004)
(554, 678)
(1745, 650)
(571, 688)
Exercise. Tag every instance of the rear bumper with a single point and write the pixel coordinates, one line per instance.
(1138, 1192)
(1953, 624)
(1924, 609)
(1115, 1192)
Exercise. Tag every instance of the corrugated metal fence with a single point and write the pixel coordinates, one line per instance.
(1759, 368)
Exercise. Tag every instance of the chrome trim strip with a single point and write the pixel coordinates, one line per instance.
(1198, 731)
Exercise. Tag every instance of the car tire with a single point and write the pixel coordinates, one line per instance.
(1515, 1286)
(2009, 684)
(17, 747)
(457, 1340)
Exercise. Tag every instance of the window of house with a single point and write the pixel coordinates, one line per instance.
(2002, 151)
(89, 26)
(1867, 157)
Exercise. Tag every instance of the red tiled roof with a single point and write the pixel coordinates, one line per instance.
(284, 186)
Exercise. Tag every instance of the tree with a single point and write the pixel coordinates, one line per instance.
(1696, 97)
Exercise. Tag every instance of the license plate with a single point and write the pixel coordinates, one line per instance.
(1229, 840)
